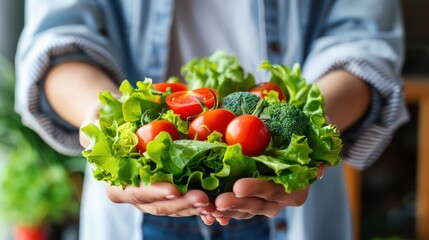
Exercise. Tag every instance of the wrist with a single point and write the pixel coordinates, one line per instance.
(347, 98)
(72, 89)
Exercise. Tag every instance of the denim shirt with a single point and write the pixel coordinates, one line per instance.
(130, 40)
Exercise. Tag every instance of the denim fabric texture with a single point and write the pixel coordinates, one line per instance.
(192, 228)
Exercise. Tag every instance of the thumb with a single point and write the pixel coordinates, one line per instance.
(90, 117)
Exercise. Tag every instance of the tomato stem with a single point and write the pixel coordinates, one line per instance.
(203, 106)
(216, 100)
(145, 118)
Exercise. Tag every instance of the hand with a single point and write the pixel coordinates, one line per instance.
(252, 196)
(162, 199)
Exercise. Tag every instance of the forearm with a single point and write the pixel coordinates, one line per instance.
(72, 89)
(347, 97)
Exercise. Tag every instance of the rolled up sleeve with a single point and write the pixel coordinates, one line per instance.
(365, 38)
(59, 30)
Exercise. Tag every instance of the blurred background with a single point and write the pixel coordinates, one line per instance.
(39, 188)
(387, 197)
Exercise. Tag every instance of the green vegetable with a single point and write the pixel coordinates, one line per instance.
(219, 71)
(283, 120)
(323, 138)
(181, 125)
(302, 139)
(188, 164)
(240, 103)
(291, 82)
(292, 167)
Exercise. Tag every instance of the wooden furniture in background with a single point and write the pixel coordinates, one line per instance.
(416, 92)
(353, 179)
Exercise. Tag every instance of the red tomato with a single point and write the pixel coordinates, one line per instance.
(148, 132)
(259, 89)
(185, 104)
(250, 132)
(175, 87)
(207, 122)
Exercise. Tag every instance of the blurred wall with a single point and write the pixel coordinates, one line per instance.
(11, 22)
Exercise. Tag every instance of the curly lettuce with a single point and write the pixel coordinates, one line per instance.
(211, 166)
(219, 71)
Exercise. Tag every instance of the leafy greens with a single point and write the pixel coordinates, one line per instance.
(212, 166)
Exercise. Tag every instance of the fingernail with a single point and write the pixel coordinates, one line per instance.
(224, 223)
(217, 215)
(321, 172)
(171, 197)
(197, 205)
(225, 208)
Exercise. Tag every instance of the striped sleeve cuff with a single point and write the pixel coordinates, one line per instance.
(387, 113)
(32, 68)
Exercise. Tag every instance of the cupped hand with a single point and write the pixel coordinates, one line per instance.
(252, 196)
(162, 199)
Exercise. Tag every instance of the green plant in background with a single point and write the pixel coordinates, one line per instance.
(35, 184)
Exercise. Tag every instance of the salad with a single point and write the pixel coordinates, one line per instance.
(214, 129)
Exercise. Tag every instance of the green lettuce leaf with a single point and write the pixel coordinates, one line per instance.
(188, 164)
(323, 138)
(290, 81)
(219, 71)
(181, 125)
(211, 165)
(290, 166)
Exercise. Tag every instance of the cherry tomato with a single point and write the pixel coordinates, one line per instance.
(207, 122)
(185, 104)
(175, 87)
(259, 89)
(150, 131)
(249, 131)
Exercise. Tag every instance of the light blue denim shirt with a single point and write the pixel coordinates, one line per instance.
(130, 39)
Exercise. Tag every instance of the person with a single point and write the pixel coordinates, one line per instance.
(72, 50)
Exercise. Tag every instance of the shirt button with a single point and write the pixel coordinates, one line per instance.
(281, 225)
(275, 47)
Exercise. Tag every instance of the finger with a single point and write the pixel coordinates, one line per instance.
(237, 215)
(90, 118)
(223, 220)
(187, 205)
(208, 219)
(202, 211)
(83, 139)
(321, 171)
(269, 190)
(208, 210)
(166, 208)
(143, 194)
(238, 208)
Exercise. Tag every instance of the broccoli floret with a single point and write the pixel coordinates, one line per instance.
(237, 102)
(283, 120)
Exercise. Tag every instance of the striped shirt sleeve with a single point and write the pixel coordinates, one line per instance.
(368, 141)
(30, 71)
